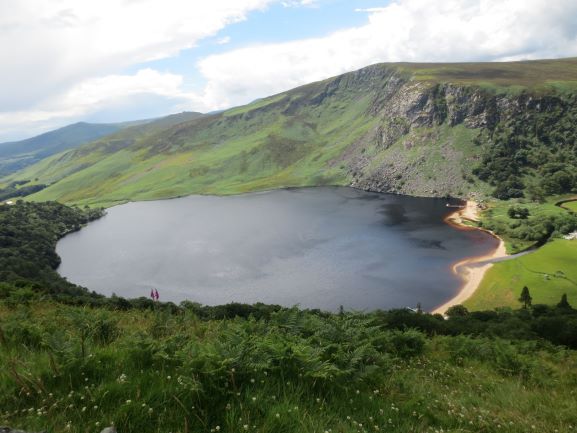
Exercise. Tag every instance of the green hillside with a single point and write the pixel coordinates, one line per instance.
(504, 76)
(240, 150)
(418, 129)
(16, 155)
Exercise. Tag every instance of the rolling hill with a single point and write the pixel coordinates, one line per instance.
(419, 129)
(16, 155)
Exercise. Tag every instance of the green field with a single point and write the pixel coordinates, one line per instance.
(514, 231)
(502, 76)
(548, 272)
(572, 205)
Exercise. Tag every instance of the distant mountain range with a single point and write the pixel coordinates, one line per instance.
(422, 129)
(16, 155)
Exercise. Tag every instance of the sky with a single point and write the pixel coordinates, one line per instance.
(66, 61)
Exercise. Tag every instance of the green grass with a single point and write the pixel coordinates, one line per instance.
(68, 369)
(497, 217)
(509, 77)
(572, 205)
(548, 272)
(307, 136)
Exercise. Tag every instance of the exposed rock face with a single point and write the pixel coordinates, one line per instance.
(407, 151)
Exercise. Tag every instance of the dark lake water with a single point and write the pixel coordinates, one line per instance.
(316, 247)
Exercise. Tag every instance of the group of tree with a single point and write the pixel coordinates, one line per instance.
(19, 189)
(518, 212)
(28, 236)
(525, 227)
(533, 155)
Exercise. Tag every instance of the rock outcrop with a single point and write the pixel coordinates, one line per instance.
(417, 148)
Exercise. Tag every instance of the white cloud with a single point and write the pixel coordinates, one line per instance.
(223, 41)
(299, 3)
(63, 59)
(406, 30)
(51, 46)
(94, 95)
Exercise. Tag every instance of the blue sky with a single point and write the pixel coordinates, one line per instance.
(117, 60)
(276, 24)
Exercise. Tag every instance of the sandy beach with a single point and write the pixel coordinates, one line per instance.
(471, 269)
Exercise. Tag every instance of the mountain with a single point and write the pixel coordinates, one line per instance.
(422, 129)
(18, 154)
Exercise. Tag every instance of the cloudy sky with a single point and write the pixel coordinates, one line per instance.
(112, 60)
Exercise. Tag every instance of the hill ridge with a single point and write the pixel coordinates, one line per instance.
(403, 128)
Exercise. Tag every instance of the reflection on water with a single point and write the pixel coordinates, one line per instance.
(316, 247)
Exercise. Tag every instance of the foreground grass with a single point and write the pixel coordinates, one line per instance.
(78, 370)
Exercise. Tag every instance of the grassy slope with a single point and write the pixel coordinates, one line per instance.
(497, 212)
(548, 273)
(151, 372)
(297, 138)
(226, 153)
(502, 76)
(15, 156)
(572, 205)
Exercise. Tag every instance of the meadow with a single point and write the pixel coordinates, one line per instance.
(572, 205)
(548, 272)
(548, 269)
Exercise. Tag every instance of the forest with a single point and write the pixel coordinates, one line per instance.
(535, 155)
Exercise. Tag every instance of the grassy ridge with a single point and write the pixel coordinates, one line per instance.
(502, 76)
(16, 155)
(226, 153)
(312, 135)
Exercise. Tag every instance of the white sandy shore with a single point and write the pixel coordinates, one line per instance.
(469, 269)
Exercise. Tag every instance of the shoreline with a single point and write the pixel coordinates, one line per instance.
(472, 269)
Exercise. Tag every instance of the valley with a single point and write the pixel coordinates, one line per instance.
(239, 356)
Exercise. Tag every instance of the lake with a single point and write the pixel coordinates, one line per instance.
(315, 247)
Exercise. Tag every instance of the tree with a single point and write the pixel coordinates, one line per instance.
(518, 212)
(457, 311)
(525, 297)
(564, 303)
